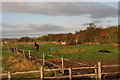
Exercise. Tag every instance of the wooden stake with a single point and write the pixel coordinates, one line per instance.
(43, 59)
(29, 53)
(62, 65)
(95, 72)
(23, 53)
(41, 73)
(70, 73)
(55, 73)
(8, 47)
(99, 70)
(9, 75)
(16, 50)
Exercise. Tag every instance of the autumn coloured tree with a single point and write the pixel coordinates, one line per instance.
(92, 33)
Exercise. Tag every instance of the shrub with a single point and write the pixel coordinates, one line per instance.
(71, 43)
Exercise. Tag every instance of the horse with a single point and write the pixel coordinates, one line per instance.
(36, 46)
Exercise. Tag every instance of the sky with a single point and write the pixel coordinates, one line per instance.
(36, 19)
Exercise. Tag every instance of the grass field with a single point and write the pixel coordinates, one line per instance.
(85, 53)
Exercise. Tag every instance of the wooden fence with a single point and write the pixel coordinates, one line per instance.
(98, 73)
(97, 69)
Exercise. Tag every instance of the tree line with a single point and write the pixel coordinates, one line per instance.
(93, 34)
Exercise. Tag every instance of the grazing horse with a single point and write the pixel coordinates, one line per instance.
(36, 46)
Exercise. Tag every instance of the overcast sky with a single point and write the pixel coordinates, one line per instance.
(40, 18)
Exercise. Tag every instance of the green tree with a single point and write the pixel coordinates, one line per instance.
(25, 39)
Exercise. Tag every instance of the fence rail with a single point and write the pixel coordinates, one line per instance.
(42, 70)
(98, 69)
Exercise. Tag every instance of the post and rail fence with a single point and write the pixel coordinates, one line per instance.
(98, 72)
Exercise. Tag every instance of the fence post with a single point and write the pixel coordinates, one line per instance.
(41, 73)
(8, 47)
(17, 50)
(14, 49)
(23, 53)
(99, 70)
(96, 72)
(43, 59)
(55, 73)
(62, 65)
(29, 53)
(9, 75)
(70, 73)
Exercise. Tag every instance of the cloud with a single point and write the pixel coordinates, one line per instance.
(97, 21)
(8, 26)
(61, 0)
(86, 24)
(93, 10)
(109, 21)
(33, 27)
(45, 27)
(100, 21)
(30, 29)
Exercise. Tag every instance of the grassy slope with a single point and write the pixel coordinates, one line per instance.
(83, 53)
(13, 62)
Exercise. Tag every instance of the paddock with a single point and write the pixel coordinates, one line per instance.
(59, 58)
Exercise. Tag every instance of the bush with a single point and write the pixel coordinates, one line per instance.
(71, 43)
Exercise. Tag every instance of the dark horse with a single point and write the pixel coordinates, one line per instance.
(36, 46)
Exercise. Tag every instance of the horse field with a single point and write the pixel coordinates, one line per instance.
(84, 53)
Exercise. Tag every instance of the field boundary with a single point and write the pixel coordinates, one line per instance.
(97, 69)
(97, 73)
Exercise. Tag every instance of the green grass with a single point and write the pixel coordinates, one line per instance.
(84, 53)
(87, 53)
(13, 62)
